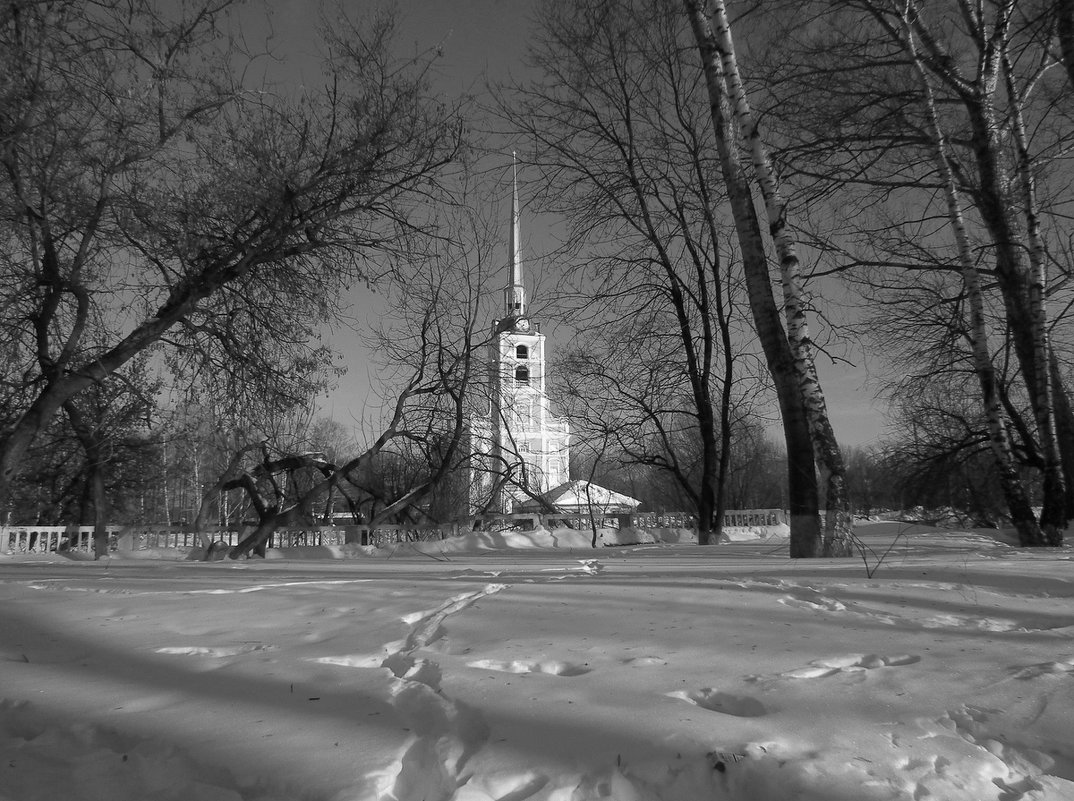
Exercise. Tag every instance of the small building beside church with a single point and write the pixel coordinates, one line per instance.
(582, 498)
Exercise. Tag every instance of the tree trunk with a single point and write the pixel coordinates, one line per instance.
(801, 467)
(14, 447)
(1064, 429)
(1023, 295)
(838, 526)
(1064, 12)
(724, 465)
(708, 490)
(1022, 289)
(95, 501)
(999, 437)
(256, 541)
(1053, 517)
(230, 474)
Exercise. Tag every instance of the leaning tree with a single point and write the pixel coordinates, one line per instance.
(142, 183)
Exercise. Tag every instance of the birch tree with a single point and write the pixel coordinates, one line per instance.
(1054, 514)
(1022, 516)
(780, 357)
(715, 39)
(867, 150)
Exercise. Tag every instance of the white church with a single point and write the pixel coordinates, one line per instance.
(520, 449)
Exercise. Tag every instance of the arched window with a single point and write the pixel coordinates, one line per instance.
(522, 352)
(522, 375)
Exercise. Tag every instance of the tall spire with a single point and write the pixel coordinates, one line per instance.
(515, 294)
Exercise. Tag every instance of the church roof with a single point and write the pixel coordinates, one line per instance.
(577, 495)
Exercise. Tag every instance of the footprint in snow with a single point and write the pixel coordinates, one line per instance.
(217, 652)
(552, 667)
(351, 660)
(852, 663)
(507, 785)
(819, 603)
(1064, 667)
(739, 706)
(833, 665)
(644, 661)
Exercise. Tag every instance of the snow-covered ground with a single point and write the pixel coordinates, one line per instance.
(473, 671)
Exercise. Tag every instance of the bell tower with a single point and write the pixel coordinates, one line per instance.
(528, 441)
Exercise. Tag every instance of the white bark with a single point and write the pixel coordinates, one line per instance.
(998, 424)
(801, 473)
(1053, 516)
(838, 524)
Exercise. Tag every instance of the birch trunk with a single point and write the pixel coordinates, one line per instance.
(1025, 523)
(1053, 516)
(838, 528)
(1019, 286)
(806, 538)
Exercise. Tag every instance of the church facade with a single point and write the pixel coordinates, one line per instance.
(519, 448)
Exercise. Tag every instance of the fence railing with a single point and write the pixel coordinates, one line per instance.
(754, 517)
(33, 538)
(731, 517)
(15, 539)
(40, 539)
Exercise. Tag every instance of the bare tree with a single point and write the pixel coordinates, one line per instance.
(139, 175)
(806, 538)
(430, 350)
(716, 39)
(623, 148)
(998, 425)
(1001, 103)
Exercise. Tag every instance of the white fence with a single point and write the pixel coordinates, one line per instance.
(39, 539)
(754, 517)
(731, 517)
(15, 539)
